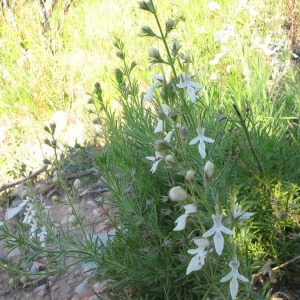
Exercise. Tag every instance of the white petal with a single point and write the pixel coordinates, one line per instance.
(159, 127)
(166, 109)
(193, 251)
(245, 216)
(207, 139)
(226, 230)
(227, 277)
(158, 77)
(201, 243)
(219, 242)
(155, 165)
(234, 286)
(150, 158)
(242, 278)
(194, 265)
(150, 92)
(209, 232)
(194, 140)
(192, 93)
(201, 149)
(181, 85)
(168, 136)
(190, 208)
(197, 86)
(181, 222)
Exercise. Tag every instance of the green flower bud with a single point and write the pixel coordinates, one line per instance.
(190, 175)
(73, 220)
(154, 53)
(162, 145)
(169, 25)
(147, 31)
(77, 184)
(170, 160)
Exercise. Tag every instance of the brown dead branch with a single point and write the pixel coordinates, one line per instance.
(22, 179)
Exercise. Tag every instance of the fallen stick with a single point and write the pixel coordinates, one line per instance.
(22, 179)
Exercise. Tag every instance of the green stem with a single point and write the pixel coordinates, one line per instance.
(163, 37)
(242, 121)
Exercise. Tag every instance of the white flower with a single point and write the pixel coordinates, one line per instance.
(168, 136)
(155, 160)
(29, 215)
(224, 34)
(218, 56)
(157, 79)
(164, 113)
(213, 6)
(201, 139)
(216, 230)
(181, 221)
(42, 236)
(191, 87)
(213, 76)
(238, 214)
(197, 262)
(234, 275)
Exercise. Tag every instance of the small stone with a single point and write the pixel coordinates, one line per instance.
(91, 203)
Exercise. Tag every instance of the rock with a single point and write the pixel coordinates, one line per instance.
(81, 287)
(83, 296)
(16, 202)
(89, 268)
(102, 286)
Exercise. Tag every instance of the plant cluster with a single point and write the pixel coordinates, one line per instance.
(202, 166)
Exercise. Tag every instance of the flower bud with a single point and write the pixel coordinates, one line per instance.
(170, 25)
(190, 175)
(154, 53)
(73, 220)
(170, 160)
(24, 279)
(175, 47)
(162, 145)
(147, 5)
(184, 132)
(55, 199)
(177, 193)
(147, 31)
(76, 184)
(208, 173)
(12, 282)
(209, 169)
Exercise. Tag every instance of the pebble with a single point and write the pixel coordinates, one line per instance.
(91, 203)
